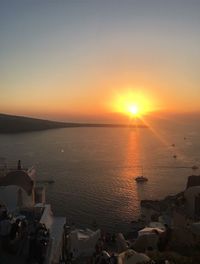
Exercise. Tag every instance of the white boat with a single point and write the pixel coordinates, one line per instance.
(23, 204)
(141, 179)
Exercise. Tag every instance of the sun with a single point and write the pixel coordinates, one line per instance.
(133, 109)
(132, 104)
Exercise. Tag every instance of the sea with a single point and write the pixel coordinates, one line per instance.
(94, 169)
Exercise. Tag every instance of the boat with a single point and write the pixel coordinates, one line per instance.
(46, 181)
(141, 179)
(195, 167)
(23, 207)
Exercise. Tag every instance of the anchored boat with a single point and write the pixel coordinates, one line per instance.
(141, 178)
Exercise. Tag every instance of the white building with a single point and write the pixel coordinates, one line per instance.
(192, 201)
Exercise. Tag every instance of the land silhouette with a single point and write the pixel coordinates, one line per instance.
(20, 124)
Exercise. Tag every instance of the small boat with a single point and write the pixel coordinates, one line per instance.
(46, 181)
(141, 179)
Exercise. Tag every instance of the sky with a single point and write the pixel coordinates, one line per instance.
(84, 59)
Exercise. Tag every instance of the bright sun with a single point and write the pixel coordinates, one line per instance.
(133, 109)
(132, 104)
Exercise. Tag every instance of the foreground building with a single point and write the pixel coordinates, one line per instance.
(29, 230)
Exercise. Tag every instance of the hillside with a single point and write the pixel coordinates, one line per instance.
(19, 124)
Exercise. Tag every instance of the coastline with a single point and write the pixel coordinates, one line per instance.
(18, 124)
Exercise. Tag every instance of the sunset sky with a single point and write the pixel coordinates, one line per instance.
(73, 60)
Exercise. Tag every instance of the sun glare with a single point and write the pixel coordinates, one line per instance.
(132, 104)
(134, 110)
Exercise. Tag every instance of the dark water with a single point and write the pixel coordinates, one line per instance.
(94, 168)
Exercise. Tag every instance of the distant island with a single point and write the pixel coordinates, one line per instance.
(20, 124)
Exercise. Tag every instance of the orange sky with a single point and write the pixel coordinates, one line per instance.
(74, 61)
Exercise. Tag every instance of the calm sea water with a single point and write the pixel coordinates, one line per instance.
(94, 168)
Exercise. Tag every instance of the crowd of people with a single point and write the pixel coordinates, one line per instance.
(104, 250)
(26, 239)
